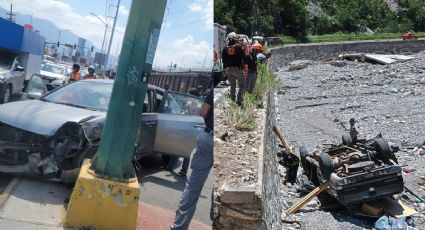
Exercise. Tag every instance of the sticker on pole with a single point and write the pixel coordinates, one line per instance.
(153, 42)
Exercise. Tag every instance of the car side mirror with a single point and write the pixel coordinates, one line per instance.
(19, 68)
(31, 95)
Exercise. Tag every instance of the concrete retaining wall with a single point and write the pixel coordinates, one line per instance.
(258, 207)
(322, 51)
(271, 181)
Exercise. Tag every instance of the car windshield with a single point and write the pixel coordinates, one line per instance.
(83, 94)
(53, 68)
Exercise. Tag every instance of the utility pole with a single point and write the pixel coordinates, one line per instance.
(112, 34)
(106, 194)
(11, 14)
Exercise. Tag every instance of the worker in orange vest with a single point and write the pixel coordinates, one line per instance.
(75, 74)
(91, 74)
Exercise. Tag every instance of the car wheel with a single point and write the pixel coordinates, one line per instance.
(303, 155)
(77, 161)
(383, 149)
(346, 139)
(5, 98)
(326, 166)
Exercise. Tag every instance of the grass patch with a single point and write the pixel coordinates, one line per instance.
(342, 37)
(243, 118)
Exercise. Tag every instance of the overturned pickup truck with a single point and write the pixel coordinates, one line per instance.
(358, 170)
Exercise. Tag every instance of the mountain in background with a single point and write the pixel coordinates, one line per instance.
(47, 29)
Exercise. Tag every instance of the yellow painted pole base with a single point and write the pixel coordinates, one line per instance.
(102, 204)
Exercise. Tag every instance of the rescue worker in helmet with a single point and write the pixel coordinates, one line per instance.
(233, 56)
(251, 61)
(91, 74)
(75, 74)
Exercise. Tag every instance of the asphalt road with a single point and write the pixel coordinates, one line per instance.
(4, 181)
(163, 188)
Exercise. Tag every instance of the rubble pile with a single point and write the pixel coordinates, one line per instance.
(317, 103)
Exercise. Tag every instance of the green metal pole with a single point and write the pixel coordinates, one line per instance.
(114, 157)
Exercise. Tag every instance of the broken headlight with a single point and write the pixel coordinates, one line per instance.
(93, 129)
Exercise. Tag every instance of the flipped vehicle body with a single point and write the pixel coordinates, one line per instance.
(55, 132)
(12, 75)
(358, 170)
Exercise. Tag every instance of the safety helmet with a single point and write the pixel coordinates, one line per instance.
(91, 67)
(231, 36)
(257, 46)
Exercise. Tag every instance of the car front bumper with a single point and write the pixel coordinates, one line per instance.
(367, 186)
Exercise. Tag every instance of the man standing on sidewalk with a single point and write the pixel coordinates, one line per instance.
(233, 56)
(201, 165)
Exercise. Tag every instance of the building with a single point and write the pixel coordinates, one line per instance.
(81, 46)
(23, 42)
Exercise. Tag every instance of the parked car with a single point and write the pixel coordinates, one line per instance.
(12, 75)
(409, 36)
(55, 132)
(358, 170)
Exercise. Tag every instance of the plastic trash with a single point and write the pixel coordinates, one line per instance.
(383, 223)
(399, 224)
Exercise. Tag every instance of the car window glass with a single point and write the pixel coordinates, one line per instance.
(35, 86)
(6, 60)
(189, 105)
(95, 95)
(52, 68)
(171, 106)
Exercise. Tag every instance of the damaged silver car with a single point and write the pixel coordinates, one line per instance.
(54, 133)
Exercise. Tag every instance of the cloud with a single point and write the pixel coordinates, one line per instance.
(67, 18)
(185, 51)
(206, 9)
(122, 10)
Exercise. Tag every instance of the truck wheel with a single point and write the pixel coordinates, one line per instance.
(326, 167)
(346, 139)
(303, 154)
(383, 149)
(5, 98)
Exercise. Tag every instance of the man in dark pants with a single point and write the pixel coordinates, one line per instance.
(232, 57)
(201, 165)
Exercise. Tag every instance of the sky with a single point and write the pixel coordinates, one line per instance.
(186, 34)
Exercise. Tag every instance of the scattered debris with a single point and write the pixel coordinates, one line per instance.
(384, 59)
(308, 198)
(336, 63)
(297, 67)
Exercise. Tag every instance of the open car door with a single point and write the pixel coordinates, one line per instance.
(178, 124)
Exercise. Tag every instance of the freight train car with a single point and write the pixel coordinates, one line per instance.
(181, 81)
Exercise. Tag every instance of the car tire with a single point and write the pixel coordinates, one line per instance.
(7, 93)
(346, 139)
(303, 154)
(326, 166)
(383, 149)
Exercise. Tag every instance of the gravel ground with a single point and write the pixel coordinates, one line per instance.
(383, 98)
(236, 158)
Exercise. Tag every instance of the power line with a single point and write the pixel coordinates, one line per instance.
(192, 22)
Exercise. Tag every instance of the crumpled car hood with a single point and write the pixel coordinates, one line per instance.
(42, 117)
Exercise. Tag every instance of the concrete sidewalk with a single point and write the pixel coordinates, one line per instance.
(32, 204)
(155, 218)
